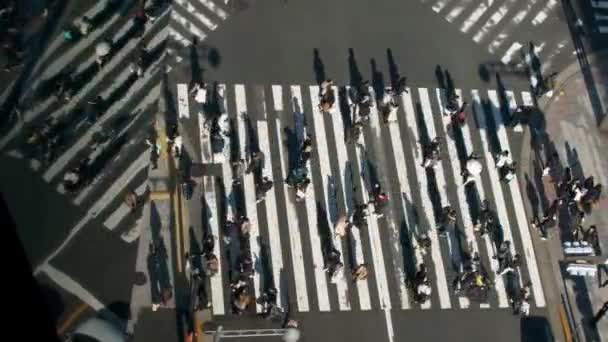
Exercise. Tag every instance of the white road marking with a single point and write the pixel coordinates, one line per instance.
(440, 5)
(122, 211)
(427, 206)
(217, 289)
(457, 10)
(293, 224)
(326, 173)
(476, 15)
(272, 214)
(544, 13)
(508, 29)
(183, 100)
(315, 241)
(214, 8)
(196, 32)
(373, 230)
(250, 193)
(338, 128)
(508, 56)
(494, 20)
(520, 214)
(69, 284)
(208, 23)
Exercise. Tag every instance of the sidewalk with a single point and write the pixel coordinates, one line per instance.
(570, 128)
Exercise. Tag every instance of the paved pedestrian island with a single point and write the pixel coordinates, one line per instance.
(289, 239)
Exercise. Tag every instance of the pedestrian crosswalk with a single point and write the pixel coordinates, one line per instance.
(504, 26)
(195, 20)
(290, 239)
(600, 15)
(114, 143)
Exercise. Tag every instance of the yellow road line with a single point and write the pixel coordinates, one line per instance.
(565, 325)
(71, 318)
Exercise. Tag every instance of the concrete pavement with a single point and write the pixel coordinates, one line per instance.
(570, 126)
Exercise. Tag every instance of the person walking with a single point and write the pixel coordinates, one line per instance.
(131, 201)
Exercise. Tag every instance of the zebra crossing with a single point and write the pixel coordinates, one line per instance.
(600, 15)
(495, 24)
(195, 20)
(288, 237)
(115, 143)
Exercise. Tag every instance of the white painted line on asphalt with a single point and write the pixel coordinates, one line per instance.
(178, 36)
(15, 154)
(215, 9)
(389, 325)
(457, 10)
(121, 212)
(69, 284)
(329, 198)
(408, 108)
(520, 214)
(82, 195)
(315, 241)
(6, 91)
(494, 20)
(455, 163)
(440, 5)
(406, 202)
(373, 230)
(511, 51)
(499, 285)
(241, 109)
(475, 16)
(64, 159)
(116, 61)
(274, 237)
(508, 30)
(355, 241)
(183, 101)
(191, 28)
(544, 13)
(99, 206)
(217, 289)
(293, 224)
(208, 23)
(223, 121)
(250, 195)
(441, 281)
(277, 97)
(394, 230)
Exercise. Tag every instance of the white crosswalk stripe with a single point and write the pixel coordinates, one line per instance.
(499, 23)
(195, 19)
(306, 257)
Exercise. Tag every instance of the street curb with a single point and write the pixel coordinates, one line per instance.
(568, 73)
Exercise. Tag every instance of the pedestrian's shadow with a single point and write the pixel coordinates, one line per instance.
(292, 147)
(440, 76)
(155, 221)
(324, 231)
(377, 80)
(195, 67)
(532, 196)
(318, 67)
(393, 69)
(450, 89)
(344, 111)
(355, 75)
(263, 266)
(425, 139)
(574, 162)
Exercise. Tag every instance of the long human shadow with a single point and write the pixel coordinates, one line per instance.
(292, 147)
(406, 238)
(425, 139)
(318, 67)
(590, 82)
(532, 197)
(195, 248)
(377, 79)
(450, 89)
(355, 75)
(574, 161)
(263, 266)
(440, 76)
(393, 69)
(324, 231)
(503, 99)
(196, 75)
(347, 120)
